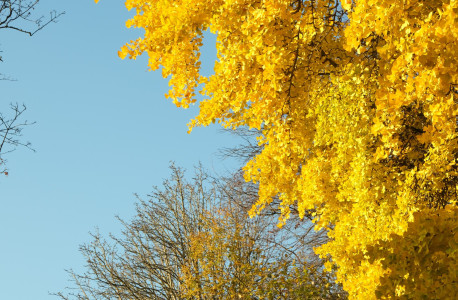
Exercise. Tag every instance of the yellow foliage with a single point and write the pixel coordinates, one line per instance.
(356, 102)
(233, 257)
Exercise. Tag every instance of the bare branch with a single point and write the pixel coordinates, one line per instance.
(11, 132)
(17, 15)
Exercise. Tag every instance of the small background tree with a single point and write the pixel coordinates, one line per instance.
(192, 240)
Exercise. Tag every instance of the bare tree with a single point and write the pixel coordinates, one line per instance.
(154, 258)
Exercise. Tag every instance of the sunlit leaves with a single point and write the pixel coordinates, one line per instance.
(356, 102)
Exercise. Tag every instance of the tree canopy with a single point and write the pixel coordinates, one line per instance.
(356, 107)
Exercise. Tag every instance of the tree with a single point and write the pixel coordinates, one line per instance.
(10, 133)
(356, 105)
(18, 15)
(190, 240)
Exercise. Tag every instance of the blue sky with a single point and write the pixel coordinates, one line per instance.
(104, 131)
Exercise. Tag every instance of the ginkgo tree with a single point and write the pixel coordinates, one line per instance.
(356, 105)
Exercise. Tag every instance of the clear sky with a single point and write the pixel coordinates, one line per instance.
(104, 131)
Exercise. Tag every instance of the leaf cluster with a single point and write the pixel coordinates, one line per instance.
(355, 105)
